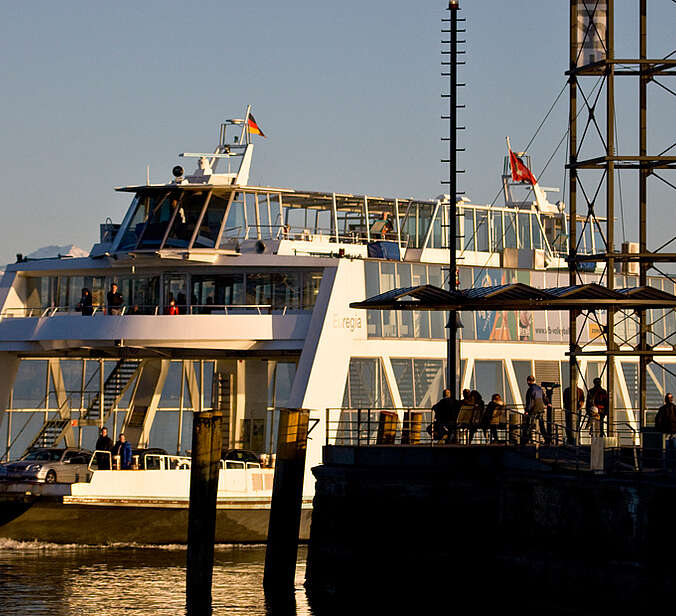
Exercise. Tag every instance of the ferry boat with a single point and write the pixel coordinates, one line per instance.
(236, 297)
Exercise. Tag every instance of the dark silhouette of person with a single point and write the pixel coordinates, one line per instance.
(535, 406)
(115, 300)
(477, 402)
(445, 417)
(85, 306)
(665, 420)
(597, 404)
(495, 411)
(103, 443)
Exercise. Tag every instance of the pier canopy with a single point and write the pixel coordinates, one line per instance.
(518, 296)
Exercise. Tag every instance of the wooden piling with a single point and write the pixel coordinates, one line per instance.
(287, 500)
(206, 456)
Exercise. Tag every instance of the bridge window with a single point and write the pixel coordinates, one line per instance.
(185, 219)
(210, 225)
(158, 219)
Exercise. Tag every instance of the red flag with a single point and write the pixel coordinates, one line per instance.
(253, 127)
(520, 173)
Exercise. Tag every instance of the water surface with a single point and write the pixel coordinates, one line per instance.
(71, 580)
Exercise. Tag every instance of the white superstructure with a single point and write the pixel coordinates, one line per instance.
(261, 280)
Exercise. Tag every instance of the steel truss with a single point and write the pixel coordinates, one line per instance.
(602, 73)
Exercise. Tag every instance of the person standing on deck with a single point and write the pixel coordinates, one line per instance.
(103, 444)
(85, 305)
(123, 449)
(115, 300)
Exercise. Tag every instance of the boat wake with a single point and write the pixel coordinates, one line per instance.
(42, 546)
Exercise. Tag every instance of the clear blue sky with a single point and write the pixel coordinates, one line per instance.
(347, 92)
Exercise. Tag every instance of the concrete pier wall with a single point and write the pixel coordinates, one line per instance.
(488, 524)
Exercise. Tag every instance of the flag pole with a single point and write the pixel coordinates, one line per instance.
(245, 126)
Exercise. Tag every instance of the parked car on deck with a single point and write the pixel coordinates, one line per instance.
(68, 465)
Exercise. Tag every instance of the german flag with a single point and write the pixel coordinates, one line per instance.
(253, 127)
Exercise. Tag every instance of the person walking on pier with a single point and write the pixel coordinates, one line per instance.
(665, 420)
(535, 406)
(103, 444)
(597, 405)
(572, 416)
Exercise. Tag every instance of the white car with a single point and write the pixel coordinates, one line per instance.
(49, 466)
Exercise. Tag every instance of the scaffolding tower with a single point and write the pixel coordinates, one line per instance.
(593, 59)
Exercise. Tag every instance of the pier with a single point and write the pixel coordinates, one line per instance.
(488, 524)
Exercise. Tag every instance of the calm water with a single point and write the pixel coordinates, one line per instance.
(39, 578)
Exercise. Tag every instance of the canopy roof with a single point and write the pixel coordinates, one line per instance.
(518, 296)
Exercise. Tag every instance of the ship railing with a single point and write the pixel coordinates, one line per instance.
(238, 464)
(568, 445)
(126, 310)
(162, 462)
(355, 235)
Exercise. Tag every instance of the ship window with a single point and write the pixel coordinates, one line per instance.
(211, 222)
(214, 293)
(158, 219)
(437, 322)
(522, 370)
(496, 243)
(599, 242)
(482, 231)
(235, 223)
(372, 276)
(366, 385)
(174, 288)
(142, 205)
(469, 230)
(425, 211)
(489, 379)
(510, 230)
(286, 290)
(311, 282)
(537, 233)
(524, 231)
(404, 317)
(187, 215)
(421, 318)
(420, 381)
(33, 292)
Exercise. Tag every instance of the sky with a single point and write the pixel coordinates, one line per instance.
(347, 93)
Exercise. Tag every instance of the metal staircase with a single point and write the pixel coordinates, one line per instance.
(52, 431)
(113, 389)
